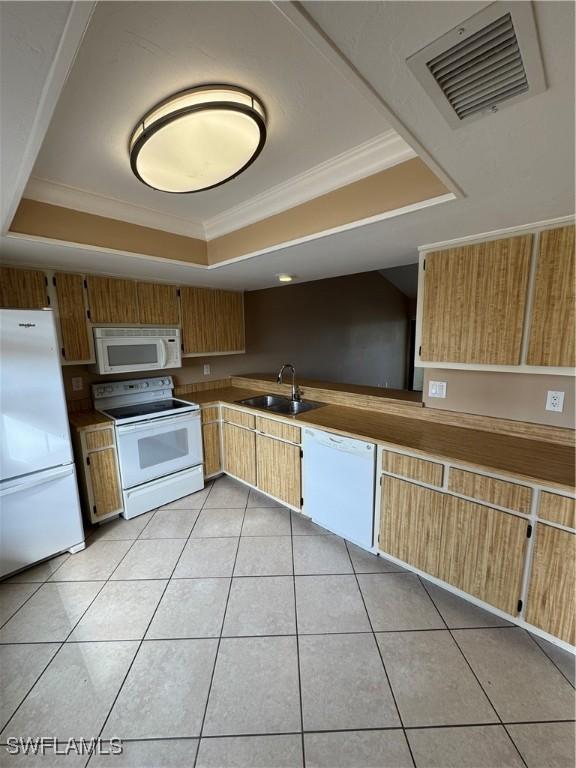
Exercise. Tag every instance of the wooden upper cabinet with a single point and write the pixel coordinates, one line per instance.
(23, 288)
(474, 302)
(72, 316)
(229, 321)
(112, 300)
(197, 308)
(212, 321)
(553, 320)
(158, 304)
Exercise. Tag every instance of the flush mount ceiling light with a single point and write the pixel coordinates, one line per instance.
(284, 278)
(198, 139)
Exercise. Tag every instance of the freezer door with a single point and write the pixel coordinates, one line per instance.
(34, 433)
(39, 517)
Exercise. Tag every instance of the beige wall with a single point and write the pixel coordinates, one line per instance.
(518, 396)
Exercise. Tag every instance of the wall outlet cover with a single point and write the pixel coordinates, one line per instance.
(77, 384)
(206, 369)
(555, 401)
(436, 389)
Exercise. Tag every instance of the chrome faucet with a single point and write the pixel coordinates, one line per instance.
(296, 396)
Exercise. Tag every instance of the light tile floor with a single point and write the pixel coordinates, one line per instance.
(223, 631)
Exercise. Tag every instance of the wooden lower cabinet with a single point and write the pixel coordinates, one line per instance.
(551, 602)
(411, 522)
(103, 479)
(278, 469)
(239, 452)
(475, 548)
(482, 552)
(211, 448)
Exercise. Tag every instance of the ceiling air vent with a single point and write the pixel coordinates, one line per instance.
(489, 60)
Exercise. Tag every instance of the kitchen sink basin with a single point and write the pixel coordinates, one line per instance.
(279, 404)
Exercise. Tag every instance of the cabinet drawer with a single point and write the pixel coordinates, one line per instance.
(490, 490)
(557, 509)
(99, 438)
(416, 469)
(278, 429)
(241, 418)
(210, 413)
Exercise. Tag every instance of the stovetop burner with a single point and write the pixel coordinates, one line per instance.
(145, 409)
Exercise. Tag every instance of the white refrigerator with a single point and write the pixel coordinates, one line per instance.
(39, 506)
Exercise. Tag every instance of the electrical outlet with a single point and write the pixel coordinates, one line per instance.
(436, 389)
(206, 369)
(77, 384)
(555, 401)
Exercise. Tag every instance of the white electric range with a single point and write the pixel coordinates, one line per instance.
(159, 441)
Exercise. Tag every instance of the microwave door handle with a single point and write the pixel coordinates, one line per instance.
(163, 354)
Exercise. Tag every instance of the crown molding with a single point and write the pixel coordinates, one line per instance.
(372, 156)
(45, 191)
(76, 24)
(495, 234)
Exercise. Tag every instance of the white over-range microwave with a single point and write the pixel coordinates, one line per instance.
(122, 350)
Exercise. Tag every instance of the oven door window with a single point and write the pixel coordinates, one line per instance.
(157, 449)
(132, 354)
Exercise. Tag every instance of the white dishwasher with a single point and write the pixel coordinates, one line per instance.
(338, 484)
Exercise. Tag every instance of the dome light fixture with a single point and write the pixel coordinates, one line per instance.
(285, 278)
(198, 139)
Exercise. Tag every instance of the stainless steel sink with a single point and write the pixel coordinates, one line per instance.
(279, 404)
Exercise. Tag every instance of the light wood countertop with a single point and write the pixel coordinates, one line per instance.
(537, 461)
(86, 419)
(533, 460)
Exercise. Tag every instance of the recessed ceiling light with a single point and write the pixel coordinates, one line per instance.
(285, 278)
(198, 139)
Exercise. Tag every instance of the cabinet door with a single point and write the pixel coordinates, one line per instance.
(198, 308)
(411, 523)
(72, 317)
(23, 288)
(483, 551)
(158, 304)
(211, 446)
(550, 603)
(474, 299)
(104, 480)
(229, 319)
(112, 300)
(552, 324)
(278, 469)
(239, 453)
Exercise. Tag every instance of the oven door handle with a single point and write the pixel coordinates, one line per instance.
(163, 353)
(124, 429)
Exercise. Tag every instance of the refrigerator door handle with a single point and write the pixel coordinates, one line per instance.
(39, 478)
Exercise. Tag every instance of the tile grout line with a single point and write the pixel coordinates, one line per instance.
(168, 580)
(63, 642)
(423, 583)
(302, 740)
(30, 596)
(209, 691)
(380, 655)
(551, 659)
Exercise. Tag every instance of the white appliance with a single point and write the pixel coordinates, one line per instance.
(159, 441)
(338, 484)
(39, 507)
(122, 350)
